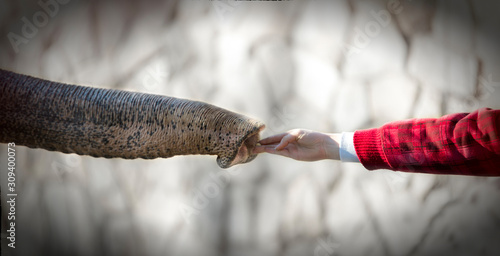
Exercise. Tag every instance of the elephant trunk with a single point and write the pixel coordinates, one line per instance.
(111, 123)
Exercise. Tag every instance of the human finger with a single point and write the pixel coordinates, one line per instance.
(272, 150)
(272, 139)
(259, 149)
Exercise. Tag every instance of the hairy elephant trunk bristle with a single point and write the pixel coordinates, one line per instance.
(111, 123)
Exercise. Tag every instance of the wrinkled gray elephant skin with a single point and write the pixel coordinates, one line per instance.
(111, 123)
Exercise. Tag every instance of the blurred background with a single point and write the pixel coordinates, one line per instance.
(330, 66)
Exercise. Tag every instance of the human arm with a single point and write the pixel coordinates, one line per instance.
(465, 144)
(462, 143)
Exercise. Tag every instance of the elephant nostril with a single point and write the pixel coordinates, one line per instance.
(251, 142)
(244, 153)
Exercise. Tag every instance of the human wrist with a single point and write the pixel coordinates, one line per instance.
(331, 146)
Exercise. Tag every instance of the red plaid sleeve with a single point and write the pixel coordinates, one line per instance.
(464, 143)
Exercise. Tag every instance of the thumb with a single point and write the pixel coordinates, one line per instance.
(289, 138)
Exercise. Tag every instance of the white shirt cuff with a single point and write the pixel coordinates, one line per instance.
(346, 150)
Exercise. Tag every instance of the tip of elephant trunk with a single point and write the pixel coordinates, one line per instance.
(243, 152)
